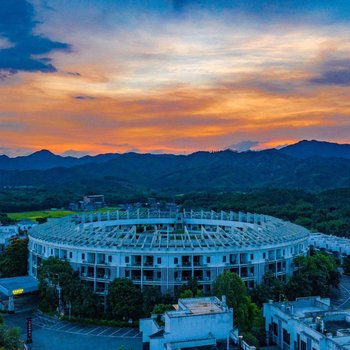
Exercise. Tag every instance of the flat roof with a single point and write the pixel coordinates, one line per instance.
(197, 306)
(202, 305)
(18, 285)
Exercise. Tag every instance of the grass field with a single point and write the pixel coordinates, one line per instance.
(33, 215)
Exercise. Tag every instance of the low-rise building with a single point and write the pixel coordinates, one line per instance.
(26, 224)
(89, 202)
(6, 234)
(307, 324)
(339, 246)
(195, 322)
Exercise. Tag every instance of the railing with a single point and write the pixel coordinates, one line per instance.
(239, 340)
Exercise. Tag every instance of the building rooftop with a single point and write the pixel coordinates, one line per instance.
(18, 285)
(198, 306)
(200, 230)
(317, 314)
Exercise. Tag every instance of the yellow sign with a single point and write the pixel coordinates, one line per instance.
(18, 291)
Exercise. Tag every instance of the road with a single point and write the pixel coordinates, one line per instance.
(341, 297)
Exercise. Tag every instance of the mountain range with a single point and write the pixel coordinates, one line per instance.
(44, 159)
(311, 165)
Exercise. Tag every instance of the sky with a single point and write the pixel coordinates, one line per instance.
(95, 76)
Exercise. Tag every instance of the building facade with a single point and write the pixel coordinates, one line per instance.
(196, 322)
(338, 246)
(307, 324)
(165, 249)
(6, 234)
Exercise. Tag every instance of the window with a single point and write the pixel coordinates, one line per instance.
(51, 252)
(70, 255)
(264, 255)
(302, 345)
(109, 258)
(83, 256)
(286, 337)
(224, 258)
(251, 256)
(274, 328)
(176, 260)
(127, 260)
(208, 259)
(159, 260)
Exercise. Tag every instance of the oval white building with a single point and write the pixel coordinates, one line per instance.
(165, 249)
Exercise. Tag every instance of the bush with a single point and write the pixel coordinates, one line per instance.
(12, 338)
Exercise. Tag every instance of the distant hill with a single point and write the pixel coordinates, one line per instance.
(301, 166)
(44, 159)
(307, 149)
(221, 171)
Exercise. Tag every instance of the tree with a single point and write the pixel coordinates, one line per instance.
(14, 259)
(232, 286)
(159, 309)
(151, 297)
(270, 288)
(190, 289)
(6, 220)
(125, 299)
(346, 265)
(315, 275)
(247, 315)
(187, 293)
(55, 273)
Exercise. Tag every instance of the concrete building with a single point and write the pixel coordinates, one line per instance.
(195, 322)
(92, 202)
(6, 234)
(89, 202)
(165, 249)
(307, 324)
(338, 246)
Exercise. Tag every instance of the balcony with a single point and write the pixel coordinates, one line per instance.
(85, 275)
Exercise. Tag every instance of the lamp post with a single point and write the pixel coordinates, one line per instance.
(69, 304)
(240, 340)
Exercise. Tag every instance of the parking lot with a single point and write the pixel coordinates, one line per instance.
(51, 334)
(67, 327)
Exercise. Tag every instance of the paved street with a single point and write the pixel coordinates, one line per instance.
(341, 297)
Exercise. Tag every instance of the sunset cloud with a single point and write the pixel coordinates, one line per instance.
(176, 78)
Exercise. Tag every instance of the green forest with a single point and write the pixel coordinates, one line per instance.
(326, 211)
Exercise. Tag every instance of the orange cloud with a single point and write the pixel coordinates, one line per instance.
(180, 89)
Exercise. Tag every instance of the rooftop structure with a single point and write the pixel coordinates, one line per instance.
(307, 323)
(195, 322)
(166, 248)
(169, 230)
